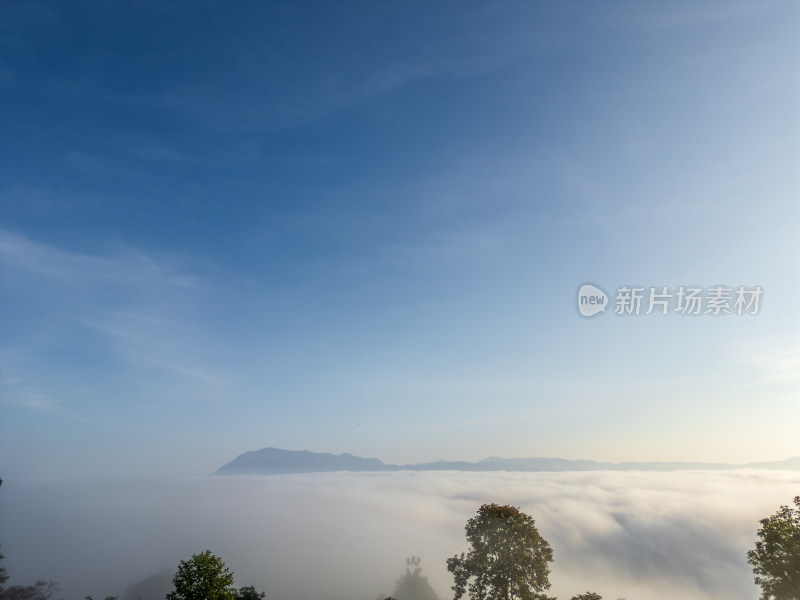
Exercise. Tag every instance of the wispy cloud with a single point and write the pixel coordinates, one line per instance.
(125, 306)
(132, 267)
(20, 391)
(161, 342)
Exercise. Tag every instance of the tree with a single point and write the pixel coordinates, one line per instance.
(203, 577)
(508, 559)
(249, 592)
(776, 557)
(413, 585)
(41, 590)
(3, 574)
(588, 596)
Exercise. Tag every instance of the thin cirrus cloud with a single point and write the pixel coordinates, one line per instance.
(128, 307)
(136, 269)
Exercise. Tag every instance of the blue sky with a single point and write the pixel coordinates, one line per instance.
(360, 227)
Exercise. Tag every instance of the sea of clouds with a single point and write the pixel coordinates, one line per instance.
(345, 536)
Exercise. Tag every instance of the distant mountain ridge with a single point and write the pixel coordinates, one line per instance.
(272, 461)
(275, 460)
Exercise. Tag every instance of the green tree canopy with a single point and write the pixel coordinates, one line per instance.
(507, 560)
(776, 557)
(588, 596)
(249, 592)
(203, 577)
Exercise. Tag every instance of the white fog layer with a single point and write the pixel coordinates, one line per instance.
(344, 536)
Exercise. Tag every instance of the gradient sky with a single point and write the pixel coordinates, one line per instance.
(360, 227)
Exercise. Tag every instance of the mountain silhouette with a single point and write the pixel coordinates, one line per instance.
(272, 461)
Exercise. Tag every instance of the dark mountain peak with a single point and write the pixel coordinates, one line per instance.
(276, 461)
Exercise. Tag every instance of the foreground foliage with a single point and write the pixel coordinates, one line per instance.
(203, 577)
(206, 577)
(507, 560)
(776, 557)
(41, 590)
(249, 592)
